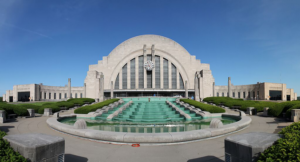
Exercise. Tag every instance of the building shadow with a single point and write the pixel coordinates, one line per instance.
(6, 128)
(75, 158)
(12, 120)
(206, 159)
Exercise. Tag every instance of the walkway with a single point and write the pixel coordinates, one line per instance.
(81, 150)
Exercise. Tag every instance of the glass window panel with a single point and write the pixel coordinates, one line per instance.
(117, 82)
(141, 71)
(181, 82)
(124, 77)
(166, 74)
(174, 77)
(132, 74)
(157, 72)
(149, 74)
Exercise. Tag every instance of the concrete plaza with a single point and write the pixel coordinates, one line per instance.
(81, 150)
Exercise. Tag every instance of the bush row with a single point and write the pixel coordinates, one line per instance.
(286, 148)
(7, 153)
(275, 109)
(91, 108)
(204, 107)
(21, 109)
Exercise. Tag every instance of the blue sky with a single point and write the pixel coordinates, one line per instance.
(50, 41)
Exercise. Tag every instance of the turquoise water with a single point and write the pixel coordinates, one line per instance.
(148, 117)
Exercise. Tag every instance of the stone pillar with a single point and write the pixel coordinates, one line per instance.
(196, 87)
(186, 90)
(2, 116)
(101, 87)
(265, 111)
(69, 88)
(4, 97)
(111, 90)
(229, 87)
(31, 112)
(295, 115)
(84, 90)
(47, 112)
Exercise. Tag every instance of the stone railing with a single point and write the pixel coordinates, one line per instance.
(198, 111)
(117, 112)
(101, 111)
(187, 117)
(216, 130)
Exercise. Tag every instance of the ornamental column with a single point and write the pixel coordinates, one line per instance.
(69, 88)
(111, 90)
(229, 87)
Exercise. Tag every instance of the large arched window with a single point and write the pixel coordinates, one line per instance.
(124, 77)
(181, 85)
(157, 72)
(141, 72)
(174, 77)
(166, 74)
(132, 73)
(117, 82)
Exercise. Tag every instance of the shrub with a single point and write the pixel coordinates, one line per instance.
(286, 148)
(204, 107)
(53, 106)
(89, 100)
(91, 108)
(1, 99)
(7, 153)
(280, 108)
(65, 104)
(275, 109)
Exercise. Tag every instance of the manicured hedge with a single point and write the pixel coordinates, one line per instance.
(81, 101)
(281, 108)
(91, 108)
(1, 99)
(21, 109)
(289, 111)
(204, 107)
(286, 148)
(275, 109)
(7, 154)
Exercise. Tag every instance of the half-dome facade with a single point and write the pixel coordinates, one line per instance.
(171, 71)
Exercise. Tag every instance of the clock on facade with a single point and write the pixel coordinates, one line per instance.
(149, 65)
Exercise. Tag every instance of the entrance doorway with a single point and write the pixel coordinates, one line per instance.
(23, 96)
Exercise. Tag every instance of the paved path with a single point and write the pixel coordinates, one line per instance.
(81, 150)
